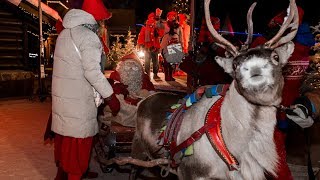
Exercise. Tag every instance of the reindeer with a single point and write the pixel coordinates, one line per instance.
(248, 113)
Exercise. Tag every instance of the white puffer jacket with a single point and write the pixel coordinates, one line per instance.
(74, 112)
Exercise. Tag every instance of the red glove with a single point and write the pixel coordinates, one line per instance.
(120, 88)
(111, 81)
(132, 101)
(113, 103)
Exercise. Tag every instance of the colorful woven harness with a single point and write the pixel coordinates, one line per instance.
(211, 127)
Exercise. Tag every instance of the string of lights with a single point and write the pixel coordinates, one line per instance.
(181, 6)
(48, 27)
(37, 35)
(116, 35)
(33, 16)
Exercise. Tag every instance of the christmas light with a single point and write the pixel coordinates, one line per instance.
(34, 17)
(181, 6)
(141, 54)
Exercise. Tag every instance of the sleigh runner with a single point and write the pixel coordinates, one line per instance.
(113, 140)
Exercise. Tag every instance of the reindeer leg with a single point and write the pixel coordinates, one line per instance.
(137, 152)
(135, 172)
(137, 148)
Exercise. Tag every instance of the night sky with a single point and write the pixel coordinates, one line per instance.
(236, 9)
(264, 11)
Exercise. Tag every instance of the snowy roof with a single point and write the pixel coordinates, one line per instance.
(44, 7)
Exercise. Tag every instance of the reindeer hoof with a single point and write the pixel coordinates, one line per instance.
(107, 169)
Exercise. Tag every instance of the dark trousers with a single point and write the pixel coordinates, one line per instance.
(168, 71)
(151, 55)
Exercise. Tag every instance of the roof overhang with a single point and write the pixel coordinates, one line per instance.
(59, 3)
(45, 8)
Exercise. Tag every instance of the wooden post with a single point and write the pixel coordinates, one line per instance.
(25, 45)
(192, 34)
(41, 74)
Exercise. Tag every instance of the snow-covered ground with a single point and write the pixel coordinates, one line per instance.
(23, 153)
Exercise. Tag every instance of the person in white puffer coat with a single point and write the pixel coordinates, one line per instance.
(76, 72)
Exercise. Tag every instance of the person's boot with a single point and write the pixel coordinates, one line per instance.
(61, 174)
(89, 175)
(166, 73)
(171, 73)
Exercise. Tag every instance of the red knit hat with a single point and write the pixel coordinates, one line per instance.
(151, 15)
(130, 56)
(150, 22)
(278, 19)
(182, 17)
(97, 9)
(172, 14)
(59, 26)
(158, 12)
(215, 22)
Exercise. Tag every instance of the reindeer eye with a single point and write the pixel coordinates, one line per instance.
(276, 57)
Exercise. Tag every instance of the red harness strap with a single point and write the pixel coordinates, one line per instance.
(174, 124)
(173, 127)
(174, 149)
(212, 128)
(214, 135)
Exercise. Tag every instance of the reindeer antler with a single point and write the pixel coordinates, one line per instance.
(315, 29)
(221, 41)
(250, 27)
(294, 18)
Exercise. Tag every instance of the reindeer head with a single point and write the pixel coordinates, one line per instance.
(258, 71)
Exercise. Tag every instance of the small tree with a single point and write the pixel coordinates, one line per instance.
(119, 49)
(129, 46)
(115, 53)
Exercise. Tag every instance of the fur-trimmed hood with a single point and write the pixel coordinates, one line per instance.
(76, 17)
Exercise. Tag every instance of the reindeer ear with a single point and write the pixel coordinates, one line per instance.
(225, 63)
(285, 52)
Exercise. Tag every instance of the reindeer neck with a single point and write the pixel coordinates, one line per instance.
(238, 108)
(242, 118)
(247, 125)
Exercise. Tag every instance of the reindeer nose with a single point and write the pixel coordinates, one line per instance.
(255, 71)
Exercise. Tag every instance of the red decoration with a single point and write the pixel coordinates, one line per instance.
(97, 9)
(278, 19)
(59, 26)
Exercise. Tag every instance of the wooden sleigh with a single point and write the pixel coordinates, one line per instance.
(113, 140)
